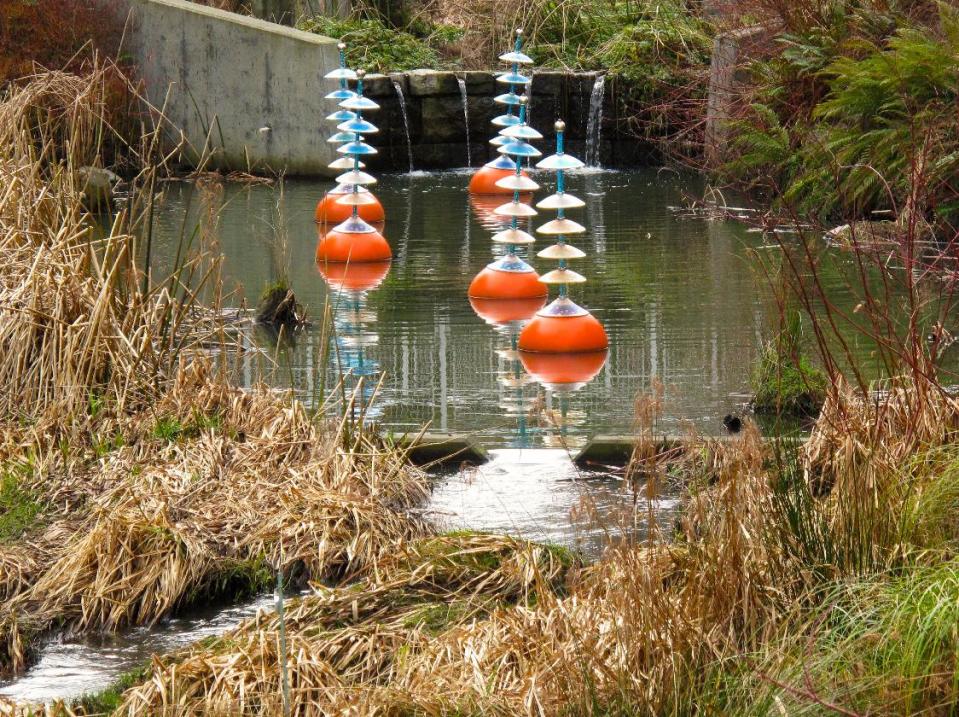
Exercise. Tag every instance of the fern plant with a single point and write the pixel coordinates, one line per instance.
(847, 126)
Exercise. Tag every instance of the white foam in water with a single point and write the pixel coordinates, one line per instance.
(541, 495)
(71, 668)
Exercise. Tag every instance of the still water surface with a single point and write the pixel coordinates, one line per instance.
(680, 299)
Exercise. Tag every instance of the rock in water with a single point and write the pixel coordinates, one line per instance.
(97, 187)
(279, 307)
(732, 423)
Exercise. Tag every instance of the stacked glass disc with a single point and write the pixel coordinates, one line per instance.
(485, 179)
(562, 327)
(509, 277)
(328, 210)
(355, 240)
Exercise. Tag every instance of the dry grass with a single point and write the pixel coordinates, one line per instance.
(643, 631)
(510, 638)
(168, 522)
(161, 483)
(348, 645)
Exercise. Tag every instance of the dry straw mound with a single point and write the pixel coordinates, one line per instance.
(484, 625)
(177, 521)
(348, 645)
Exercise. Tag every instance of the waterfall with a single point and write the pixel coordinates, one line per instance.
(529, 98)
(466, 119)
(406, 122)
(594, 124)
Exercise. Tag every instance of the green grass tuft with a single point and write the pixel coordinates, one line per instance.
(167, 428)
(375, 47)
(107, 701)
(784, 381)
(19, 508)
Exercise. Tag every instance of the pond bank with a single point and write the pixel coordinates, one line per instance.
(535, 495)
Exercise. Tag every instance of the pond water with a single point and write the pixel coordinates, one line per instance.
(681, 300)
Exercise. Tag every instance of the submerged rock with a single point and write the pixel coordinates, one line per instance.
(278, 307)
(97, 186)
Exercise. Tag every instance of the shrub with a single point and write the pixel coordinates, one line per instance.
(378, 48)
(53, 34)
(856, 117)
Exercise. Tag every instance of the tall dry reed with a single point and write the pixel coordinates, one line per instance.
(160, 482)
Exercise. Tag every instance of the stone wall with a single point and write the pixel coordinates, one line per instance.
(437, 126)
(731, 53)
(248, 94)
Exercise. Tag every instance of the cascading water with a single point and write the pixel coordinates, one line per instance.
(406, 122)
(466, 119)
(594, 123)
(72, 667)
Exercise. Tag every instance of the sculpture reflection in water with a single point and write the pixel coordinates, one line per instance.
(354, 331)
(562, 346)
(507, 317)
(542, 412)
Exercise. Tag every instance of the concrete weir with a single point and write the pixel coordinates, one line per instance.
(248, 93)
(434, 449)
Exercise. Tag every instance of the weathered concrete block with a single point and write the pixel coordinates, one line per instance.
(551, 83)
(440, 448)
(543, 111)
(581, 83)
(440, 156)
(430, 82)
(393, 130)
(377, 85)
(482, 110)
(443, 119)
(479, 82)
(729, 51)
(251, 93)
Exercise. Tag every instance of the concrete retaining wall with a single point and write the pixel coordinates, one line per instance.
(249, 91)
(731, 51)
(437, 126)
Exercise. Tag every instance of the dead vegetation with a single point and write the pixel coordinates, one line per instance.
(470, 624)
(160, 483)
